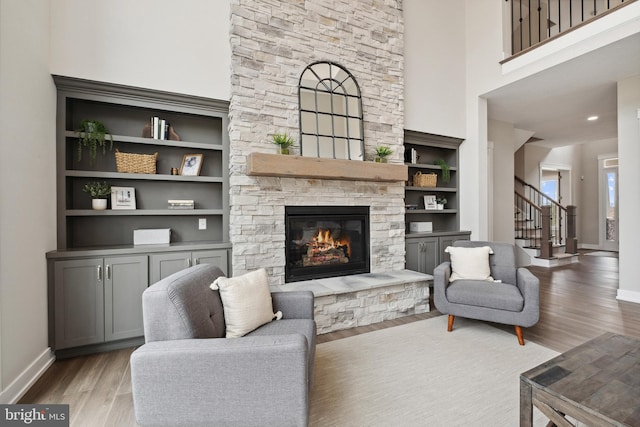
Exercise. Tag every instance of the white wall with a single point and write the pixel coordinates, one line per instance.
(175, 46)
(434, 46)
(629, 176)
(502, 135)
(27, 192)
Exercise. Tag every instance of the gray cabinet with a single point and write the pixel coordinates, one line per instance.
(96, 274)
(165, 264)
(424, 254)
(98, 299)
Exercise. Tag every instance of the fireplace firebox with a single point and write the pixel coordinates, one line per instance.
(326, 241)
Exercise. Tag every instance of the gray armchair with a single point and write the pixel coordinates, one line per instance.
(188, 374)
(513, 301)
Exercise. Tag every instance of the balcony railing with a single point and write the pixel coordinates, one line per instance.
(535, 21)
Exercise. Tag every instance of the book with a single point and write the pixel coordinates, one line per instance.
(180, 204)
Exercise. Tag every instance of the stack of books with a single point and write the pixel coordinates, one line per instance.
(180, 204)
(411, 156)
(159, 128)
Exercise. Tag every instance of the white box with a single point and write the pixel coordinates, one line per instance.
(420, 227)
(152, 236)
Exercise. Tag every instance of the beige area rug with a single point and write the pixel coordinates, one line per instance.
(418, 374)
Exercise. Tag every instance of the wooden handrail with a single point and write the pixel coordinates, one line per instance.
(540, 193)
(542, 221)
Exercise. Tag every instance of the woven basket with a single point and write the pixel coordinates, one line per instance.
(425, 179)
(136, 163)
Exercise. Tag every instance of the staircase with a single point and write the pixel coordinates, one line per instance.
(544, 229)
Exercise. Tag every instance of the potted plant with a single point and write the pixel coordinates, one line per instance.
(283, 141)
(441, 202)
(99, 192)
(93, 134)
(382, 152)
(446, 175)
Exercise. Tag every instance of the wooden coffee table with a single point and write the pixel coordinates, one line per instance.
(596, 383)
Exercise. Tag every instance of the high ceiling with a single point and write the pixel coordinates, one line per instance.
(555, 103)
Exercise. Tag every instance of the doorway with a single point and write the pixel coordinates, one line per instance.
(608, 202)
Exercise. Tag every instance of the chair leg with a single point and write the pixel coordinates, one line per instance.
(450, 323)
(519, 335)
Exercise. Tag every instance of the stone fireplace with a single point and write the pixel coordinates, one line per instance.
(271, 46)
(326, 241)
(272, 43)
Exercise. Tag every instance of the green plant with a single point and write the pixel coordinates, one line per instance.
(93, 134)
(441, 201)
(446, 173)
(383, 151)
(97, 190)
(283, 140)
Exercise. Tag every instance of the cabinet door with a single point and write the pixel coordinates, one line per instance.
(413, 254)
(79, 302)
(125, 280)
(430, 255)
(217, 257)
(165, 264)
(422, 254)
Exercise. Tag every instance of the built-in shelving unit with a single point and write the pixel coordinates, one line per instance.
(425, 250)
(97, 274)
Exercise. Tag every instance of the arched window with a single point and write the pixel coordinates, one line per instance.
(330, 108)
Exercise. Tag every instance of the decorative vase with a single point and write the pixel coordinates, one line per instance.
(440, 207)
(99, 204)
(381, 160)
(284, 150)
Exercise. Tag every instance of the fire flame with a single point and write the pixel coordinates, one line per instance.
(323, 241)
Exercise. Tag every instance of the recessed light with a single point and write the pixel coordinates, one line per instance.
(592, 118)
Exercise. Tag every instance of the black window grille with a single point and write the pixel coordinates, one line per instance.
(330, 109)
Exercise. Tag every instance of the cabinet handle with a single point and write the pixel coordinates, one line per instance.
(197, 261)
(188, 262)
(99, 272)
(108, 272)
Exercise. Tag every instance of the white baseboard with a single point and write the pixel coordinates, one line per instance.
(589, 246)
(630, 296)
(29, 376)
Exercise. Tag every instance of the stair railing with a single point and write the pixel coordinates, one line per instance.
(543, 227)
(534, 21)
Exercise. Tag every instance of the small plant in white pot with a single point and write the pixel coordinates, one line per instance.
(382, 152)
(99, 192)
(441, 202)
(283, 141)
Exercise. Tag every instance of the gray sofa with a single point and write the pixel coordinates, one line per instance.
(513, 301)
(188, 374)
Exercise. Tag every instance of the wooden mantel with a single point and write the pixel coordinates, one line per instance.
(263, 164)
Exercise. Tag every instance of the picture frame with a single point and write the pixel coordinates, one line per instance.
(430, 202)
(191, 164)
(123, 198)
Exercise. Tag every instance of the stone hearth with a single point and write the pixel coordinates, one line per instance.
(362, 299)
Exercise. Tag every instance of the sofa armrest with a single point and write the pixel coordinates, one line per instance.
(257, 380)
(294, 304)
(441, 275)
(529, 286)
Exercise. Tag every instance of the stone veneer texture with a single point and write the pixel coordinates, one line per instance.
(272, 41)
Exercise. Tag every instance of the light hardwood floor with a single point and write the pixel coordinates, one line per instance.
(577, 303)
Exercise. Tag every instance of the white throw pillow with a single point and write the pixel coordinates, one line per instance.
(470, 263)
(246, 301)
